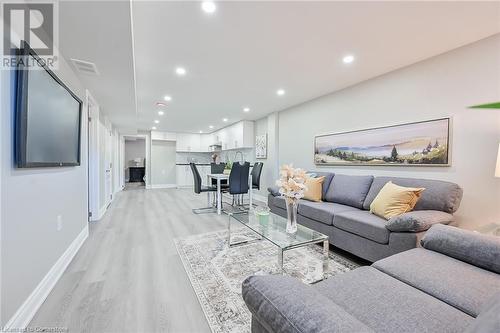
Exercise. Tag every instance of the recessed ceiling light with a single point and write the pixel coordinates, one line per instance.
(160, 104)
(224, 120)
(167, 98)
(348, 59)
(153, 128)
(161, 113)
(201, 132)
(246, 109)
(208, 7)
(181, 71)
(211, 126)
(157, 121)
(280, 92)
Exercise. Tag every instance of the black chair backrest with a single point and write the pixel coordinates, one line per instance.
(256, 172)
(196, 177)
(217, 168)
(238, 178)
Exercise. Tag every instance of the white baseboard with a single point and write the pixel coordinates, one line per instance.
(21, 319)
(100, 214)
(163, 186)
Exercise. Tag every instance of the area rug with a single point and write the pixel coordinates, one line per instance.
(216, 272)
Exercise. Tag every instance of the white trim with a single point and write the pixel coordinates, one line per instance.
(102, 211)
(28, 309)
(163, 186)
(93, 156)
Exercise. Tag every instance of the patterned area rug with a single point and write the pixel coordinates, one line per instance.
(216, 272)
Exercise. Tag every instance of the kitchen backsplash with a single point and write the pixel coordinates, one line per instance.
(224, 156)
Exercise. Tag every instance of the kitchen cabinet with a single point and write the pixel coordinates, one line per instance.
(164, 136)
(188, 142)
(185, 175)
(205, 141)
(239, 135)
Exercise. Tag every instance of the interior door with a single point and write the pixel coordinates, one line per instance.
(108, 167)
(93, 158)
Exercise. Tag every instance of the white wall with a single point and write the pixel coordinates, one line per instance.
(439, 87)
(163, 156)
(134, 149)
(30, 242)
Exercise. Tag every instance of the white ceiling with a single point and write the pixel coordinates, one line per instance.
(243, 53)
(100, 32)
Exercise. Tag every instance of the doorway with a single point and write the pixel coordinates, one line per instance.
(93, 157)
(135, 162)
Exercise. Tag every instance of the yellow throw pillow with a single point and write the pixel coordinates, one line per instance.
(314, 188)
(393, 200)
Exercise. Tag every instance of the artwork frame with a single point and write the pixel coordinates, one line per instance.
(335, 149)
(261, 146)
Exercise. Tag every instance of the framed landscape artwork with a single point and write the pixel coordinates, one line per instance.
(261, 146)
(425, 143)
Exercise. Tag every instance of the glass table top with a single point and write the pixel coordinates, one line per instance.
(273, 228)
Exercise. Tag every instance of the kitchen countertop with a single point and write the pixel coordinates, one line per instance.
(204, 164)
(195, 163)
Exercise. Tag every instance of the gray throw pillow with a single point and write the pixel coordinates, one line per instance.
(274, 190)
(418, 220)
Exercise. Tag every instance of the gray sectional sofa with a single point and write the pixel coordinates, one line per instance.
(451, 284)
(343, 214)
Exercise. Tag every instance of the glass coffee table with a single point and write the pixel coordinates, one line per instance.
(273, 229)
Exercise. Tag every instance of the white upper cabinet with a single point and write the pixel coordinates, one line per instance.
(165, 136)
(239, 135)
(188, 142)
(206, 141)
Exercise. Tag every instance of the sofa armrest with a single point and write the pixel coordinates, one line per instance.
(418, 220)
(284, 304)
(274, 190)
(467, 246)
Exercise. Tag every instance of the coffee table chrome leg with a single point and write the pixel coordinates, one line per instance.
(326, 248)
(280, 261)
(228, 230)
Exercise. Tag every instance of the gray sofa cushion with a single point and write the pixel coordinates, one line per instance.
(474, 248)
(364, 224)
(438, 195)
(322, 211)
(418, 220)
(279, 202)
(349, 190)
(386, 304)
(461, 285)
(285, 304)
(488, 320)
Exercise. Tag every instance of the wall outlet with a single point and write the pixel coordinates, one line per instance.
(59, 223)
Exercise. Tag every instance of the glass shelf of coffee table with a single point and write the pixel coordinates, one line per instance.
(272, 227)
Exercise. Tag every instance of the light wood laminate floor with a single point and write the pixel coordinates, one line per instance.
(128, 277)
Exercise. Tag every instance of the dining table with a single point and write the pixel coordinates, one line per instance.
(222, 176)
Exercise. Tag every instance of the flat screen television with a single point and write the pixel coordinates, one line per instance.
(48, 116)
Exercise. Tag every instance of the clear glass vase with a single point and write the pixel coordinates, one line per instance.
(291, 211)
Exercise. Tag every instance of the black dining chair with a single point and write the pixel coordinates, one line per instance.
(238, 181)
(200, 188)
(216, 168)
(256, 172)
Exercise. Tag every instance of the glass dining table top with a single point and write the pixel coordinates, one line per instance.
(273, 228)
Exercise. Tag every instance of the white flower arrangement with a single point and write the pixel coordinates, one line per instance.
(292, 182)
